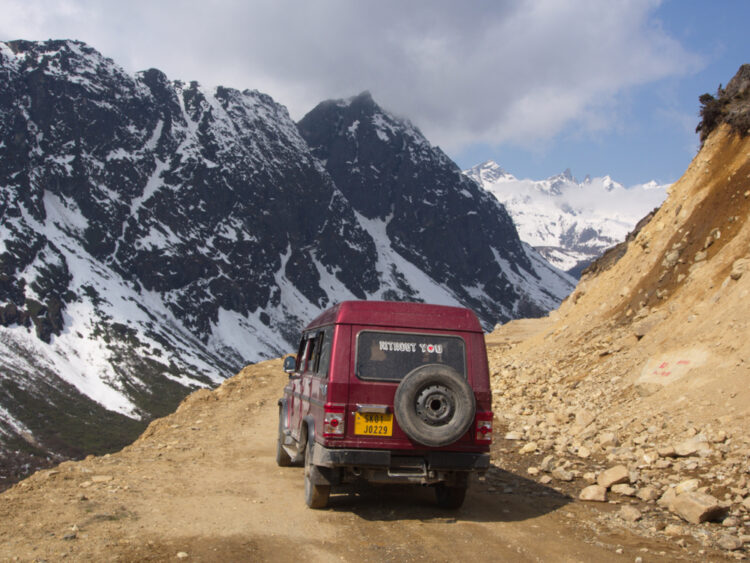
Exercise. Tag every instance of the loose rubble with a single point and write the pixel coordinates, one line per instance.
(637, 390)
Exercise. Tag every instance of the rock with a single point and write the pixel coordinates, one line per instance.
(514, 435)
(729, 543)
(630, 513)
(101, 478)
(648, 494)
(623, 489)
(692, 446)
(545, 479)
(719, 437)
(546, 464)
(562, 474)
(667, 498)
(666, 451)
(583, 418)
(695, 507)
(739, 267)
(730, 522)
(532, 471)
(673, 530)
(528, 448)
(687, 486)
(589, 477)
(584, 452)
(746, 503)
(595, 493)
(182, 555)
(670, 259)
(608, 440)
(700, 256)
(613, 476)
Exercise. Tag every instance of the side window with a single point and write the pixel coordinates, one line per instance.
(315, 352)
(310, 353)
(301, 354)
(323, 357)
(306, 349)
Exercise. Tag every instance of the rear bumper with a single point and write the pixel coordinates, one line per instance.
(385, 459)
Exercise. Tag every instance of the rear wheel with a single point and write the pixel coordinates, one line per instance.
(282, 457)
(316, 496)
(448, 496)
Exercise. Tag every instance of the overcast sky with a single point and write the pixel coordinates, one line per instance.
(598, 86)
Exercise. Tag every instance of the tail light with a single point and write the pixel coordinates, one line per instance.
(333, 424)
(484, 427)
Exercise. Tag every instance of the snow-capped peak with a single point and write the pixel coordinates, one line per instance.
(571, 223)
(489, 171)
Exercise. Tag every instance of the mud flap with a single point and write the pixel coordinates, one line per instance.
(325, 475)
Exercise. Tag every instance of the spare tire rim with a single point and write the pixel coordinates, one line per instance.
(435, 405)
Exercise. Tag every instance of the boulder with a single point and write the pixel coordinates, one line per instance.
(648, 494)
(692, 446)
(729, 543)
(695, 507)
(630, 513)
(595, 493)
(613, 476)
(667, 498)
(608, 439)
(562, 474)
(546, 464)
(529, 448)
(623, 489)
(687, 486)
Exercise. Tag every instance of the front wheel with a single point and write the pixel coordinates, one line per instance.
(316, 496)
(282, 457)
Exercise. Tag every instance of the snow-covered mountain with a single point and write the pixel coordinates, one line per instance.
(570, 223)
(158, 235)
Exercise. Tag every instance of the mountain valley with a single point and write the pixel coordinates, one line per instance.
(622, 417)
(157, 236)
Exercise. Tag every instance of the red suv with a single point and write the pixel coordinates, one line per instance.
(388, 393)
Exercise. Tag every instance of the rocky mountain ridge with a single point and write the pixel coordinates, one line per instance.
(158, 235)
(571, 223)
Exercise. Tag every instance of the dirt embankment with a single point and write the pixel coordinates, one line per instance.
(646, 366)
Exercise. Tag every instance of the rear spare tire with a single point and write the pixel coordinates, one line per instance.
(434, 405)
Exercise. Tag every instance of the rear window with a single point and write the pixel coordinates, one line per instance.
(391, 355)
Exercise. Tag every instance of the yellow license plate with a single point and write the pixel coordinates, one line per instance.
(372, 424)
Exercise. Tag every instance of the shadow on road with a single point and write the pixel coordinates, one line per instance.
(500, 497)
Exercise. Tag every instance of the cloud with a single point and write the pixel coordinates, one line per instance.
(516, 72)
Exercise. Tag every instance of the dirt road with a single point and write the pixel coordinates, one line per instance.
(202, 485)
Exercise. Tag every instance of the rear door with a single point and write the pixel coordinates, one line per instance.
(381, 359)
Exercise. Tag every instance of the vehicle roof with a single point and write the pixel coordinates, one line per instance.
(399, 315)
